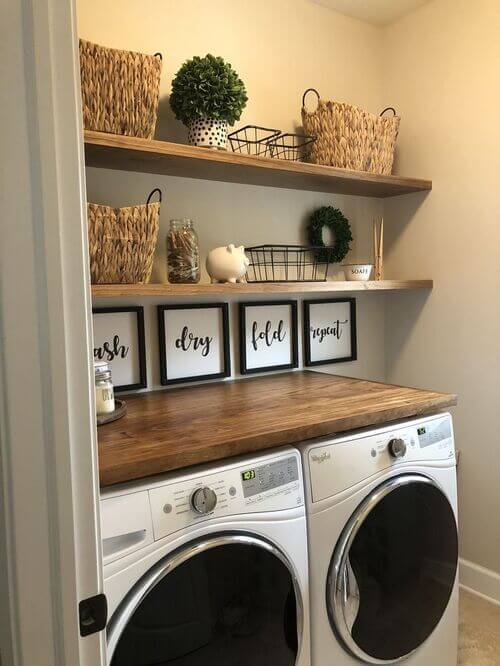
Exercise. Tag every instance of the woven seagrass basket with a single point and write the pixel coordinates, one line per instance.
(349, 137)
(120, 90)
(122, 242)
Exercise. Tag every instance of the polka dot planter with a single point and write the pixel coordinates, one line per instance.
(208, 133)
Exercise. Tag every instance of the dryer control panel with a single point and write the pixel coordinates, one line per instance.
(341, 463)
(267, 485)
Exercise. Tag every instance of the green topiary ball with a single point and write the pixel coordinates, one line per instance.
(332, 218)
(207, 88)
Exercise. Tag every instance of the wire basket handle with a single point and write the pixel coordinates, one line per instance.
(305, 95)
(158, 55)
(157, 189)
(389, 108)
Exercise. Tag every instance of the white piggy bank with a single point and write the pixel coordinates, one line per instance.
(227, 264)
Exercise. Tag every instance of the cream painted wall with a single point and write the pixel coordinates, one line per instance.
(245, 214)
(439, 67)
(279, 48)
(441, 70)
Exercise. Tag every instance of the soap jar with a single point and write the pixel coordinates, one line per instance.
(183, 253)
(104, 392)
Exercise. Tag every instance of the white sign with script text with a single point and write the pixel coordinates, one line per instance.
(119, 340)
(330, 333)
(268, 336)
(194, 341)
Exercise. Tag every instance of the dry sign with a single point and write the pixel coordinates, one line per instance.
(194, 342)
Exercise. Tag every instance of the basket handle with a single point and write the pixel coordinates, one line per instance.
(305, 95)
(157, 189)
(158, 55)
(389, 108)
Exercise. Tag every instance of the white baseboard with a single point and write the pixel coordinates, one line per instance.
(479, 580)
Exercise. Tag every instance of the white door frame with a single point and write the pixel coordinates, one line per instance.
(49, 541)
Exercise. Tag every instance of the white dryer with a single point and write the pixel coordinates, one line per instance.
(209, 566)
(383, 545)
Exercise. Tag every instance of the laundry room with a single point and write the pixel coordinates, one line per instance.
(248, 389)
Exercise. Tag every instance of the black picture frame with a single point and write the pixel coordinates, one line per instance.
(307, 331)
(242, 308)
(141, 341)
(226, 372)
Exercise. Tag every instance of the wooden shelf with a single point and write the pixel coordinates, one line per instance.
(110, 151)
(181, 290)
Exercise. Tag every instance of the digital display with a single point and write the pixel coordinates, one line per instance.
(433, 433)
(269, 476)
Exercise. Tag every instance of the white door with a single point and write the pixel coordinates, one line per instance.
(49, 534)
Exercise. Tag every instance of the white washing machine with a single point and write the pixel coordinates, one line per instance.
(209, 566)
(383, 546)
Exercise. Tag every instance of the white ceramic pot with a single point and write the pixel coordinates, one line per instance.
(208, 133)
(357, 272)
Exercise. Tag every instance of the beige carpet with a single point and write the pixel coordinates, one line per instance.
(479, 635)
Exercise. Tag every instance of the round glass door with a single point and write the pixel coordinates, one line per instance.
(230, 599)
(393, 570)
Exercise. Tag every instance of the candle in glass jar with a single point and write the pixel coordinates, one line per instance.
(104, 393)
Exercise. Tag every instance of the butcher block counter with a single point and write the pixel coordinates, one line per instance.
(169, 429)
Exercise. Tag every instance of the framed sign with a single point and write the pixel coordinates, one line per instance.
(268, 336)
(330, 331)
(194, 342)
(119, 340)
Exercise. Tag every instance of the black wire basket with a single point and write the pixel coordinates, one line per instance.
(292, 147)
(252, 140)
(286, 263)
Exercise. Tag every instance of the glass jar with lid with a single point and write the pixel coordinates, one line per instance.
(183, 253)
(104, 392)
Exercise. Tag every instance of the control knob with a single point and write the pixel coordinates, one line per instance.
(204, 500)
(397, 447)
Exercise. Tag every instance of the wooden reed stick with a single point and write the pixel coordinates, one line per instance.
(378, 248)
(381, 251)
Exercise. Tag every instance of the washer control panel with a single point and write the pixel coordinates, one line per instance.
(267, 477)
(272, 484)
(339, 464)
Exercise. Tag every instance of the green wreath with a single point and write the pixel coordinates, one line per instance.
(332, 218)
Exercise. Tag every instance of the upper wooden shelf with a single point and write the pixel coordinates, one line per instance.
(125, 153)
(331, 286)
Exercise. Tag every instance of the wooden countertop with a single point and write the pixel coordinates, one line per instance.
(169, 429)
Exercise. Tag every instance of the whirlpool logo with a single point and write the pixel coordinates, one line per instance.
(321, 457)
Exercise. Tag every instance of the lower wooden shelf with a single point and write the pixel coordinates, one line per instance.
(181, 290)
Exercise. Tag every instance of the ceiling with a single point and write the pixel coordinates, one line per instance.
(377, 12)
